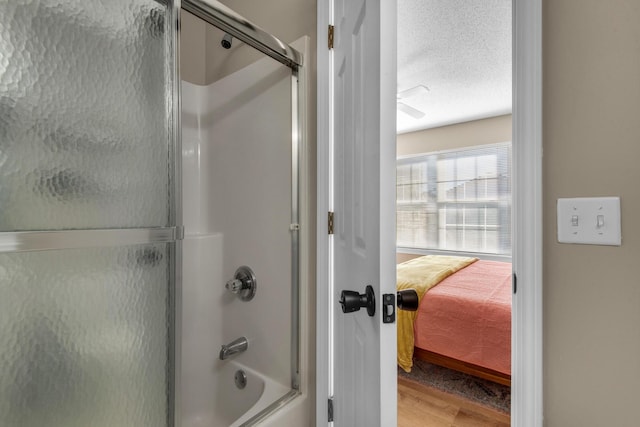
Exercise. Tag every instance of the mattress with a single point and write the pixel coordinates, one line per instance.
(467, 316)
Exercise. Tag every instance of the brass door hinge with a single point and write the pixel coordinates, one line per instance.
(330, 40)
(330, 227)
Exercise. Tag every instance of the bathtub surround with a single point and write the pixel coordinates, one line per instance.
(237, 168)
(209, 395)
(295, 19)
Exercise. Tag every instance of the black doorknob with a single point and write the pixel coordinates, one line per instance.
(352, 301)
(408, 300)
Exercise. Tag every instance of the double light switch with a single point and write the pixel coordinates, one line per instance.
(589, 220)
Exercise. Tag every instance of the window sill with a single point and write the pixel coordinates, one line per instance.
(479, 255)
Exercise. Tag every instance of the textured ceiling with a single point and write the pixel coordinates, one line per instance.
(461, 51)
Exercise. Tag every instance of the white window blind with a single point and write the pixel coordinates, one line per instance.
(456, 200)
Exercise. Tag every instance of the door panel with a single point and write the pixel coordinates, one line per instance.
(351, 246)
(364, 347)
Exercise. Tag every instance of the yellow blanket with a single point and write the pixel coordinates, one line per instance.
(421, 274)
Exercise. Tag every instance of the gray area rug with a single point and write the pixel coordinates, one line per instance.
(484, 392)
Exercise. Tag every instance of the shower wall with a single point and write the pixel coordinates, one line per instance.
(237, 191)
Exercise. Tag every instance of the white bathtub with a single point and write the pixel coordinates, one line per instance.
(231, 406)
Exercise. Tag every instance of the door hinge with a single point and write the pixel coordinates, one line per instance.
(514, 281)
(330, 37)
(330, 409)
(330, 223)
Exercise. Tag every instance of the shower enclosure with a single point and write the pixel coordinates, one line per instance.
(105, 306)
(241, 167)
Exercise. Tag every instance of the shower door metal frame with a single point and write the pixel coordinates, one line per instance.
(27, 241)
(220, 16)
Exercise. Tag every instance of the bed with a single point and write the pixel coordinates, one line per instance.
(464, 318)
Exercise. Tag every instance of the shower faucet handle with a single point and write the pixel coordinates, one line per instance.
(236, 285)
(243, 283)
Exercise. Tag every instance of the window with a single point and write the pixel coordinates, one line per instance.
(456, 200)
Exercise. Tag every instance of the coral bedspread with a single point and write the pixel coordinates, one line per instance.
(467, 316)
(421, 274)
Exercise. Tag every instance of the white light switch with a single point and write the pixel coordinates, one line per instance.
(589, 220)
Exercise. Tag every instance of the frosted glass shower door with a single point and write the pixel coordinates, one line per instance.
(85, 129)
(83, 337)
(89, 223)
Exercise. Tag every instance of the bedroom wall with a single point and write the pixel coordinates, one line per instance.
(591, 56)
(476, 132)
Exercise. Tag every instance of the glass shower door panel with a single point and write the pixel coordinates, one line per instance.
(84, 337)
(86, 112)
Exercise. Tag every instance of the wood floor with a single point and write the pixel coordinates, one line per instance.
(421, 406)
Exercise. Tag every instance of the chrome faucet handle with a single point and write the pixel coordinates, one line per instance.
(243, 283)
(235, 285)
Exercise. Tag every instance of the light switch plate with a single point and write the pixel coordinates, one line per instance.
(589, 220)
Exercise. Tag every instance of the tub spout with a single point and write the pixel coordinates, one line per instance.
(234, 347)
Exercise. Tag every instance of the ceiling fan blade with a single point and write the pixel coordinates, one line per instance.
(414, 91)
(416, 114)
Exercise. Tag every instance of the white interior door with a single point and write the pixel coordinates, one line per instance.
(361, 252)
